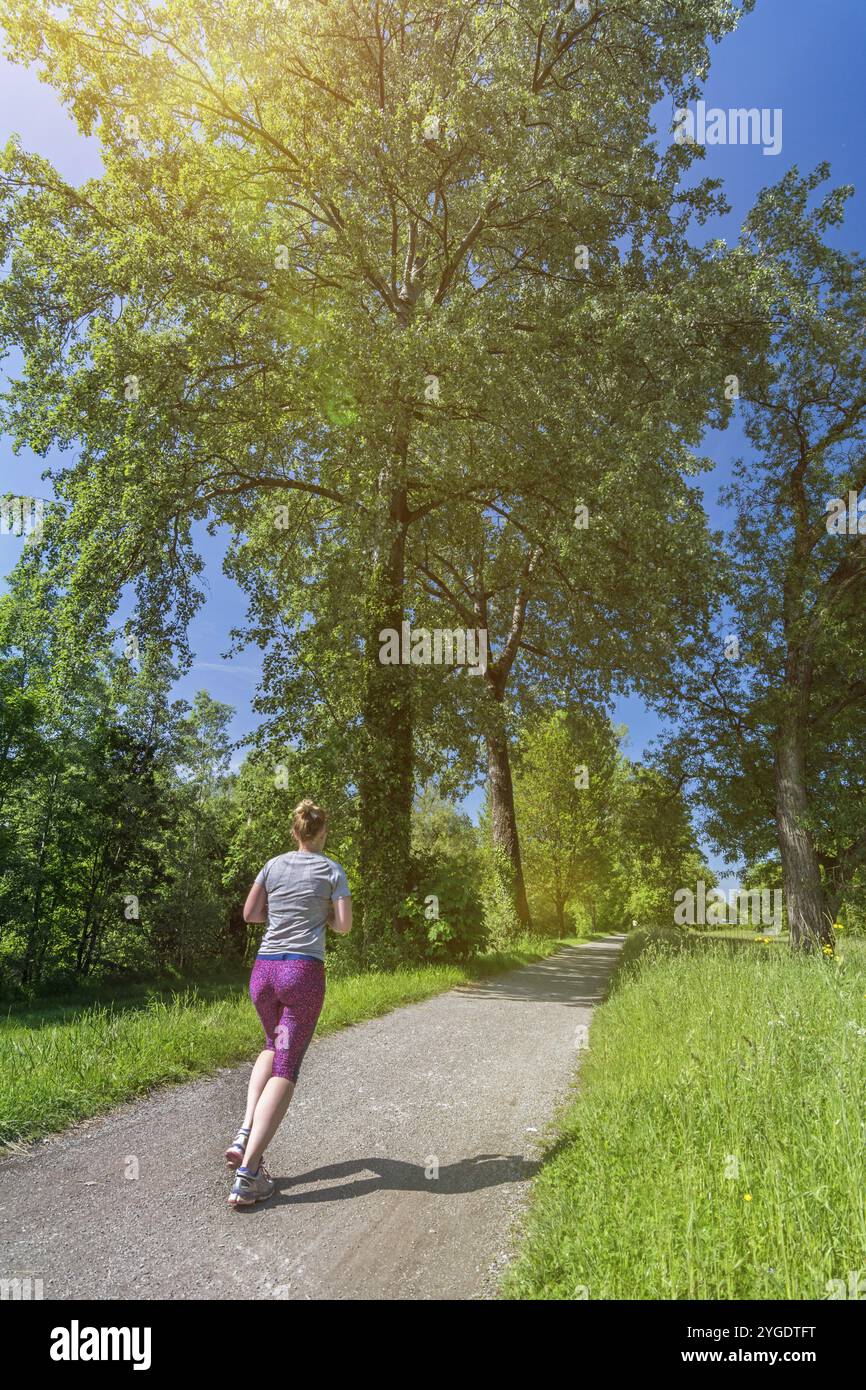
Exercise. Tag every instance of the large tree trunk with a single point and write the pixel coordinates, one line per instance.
(503, 818)
(385, 780)
(808, 919)
(808, 916)
(385, 784)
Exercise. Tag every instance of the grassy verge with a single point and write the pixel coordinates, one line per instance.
(715, 1150)
(69, 1062)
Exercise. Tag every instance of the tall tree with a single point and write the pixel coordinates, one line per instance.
(606, 836)
(582, 599)
(565, 795)
(774, 698)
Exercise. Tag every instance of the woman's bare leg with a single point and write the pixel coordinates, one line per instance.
(272, 1106)
(261, 1075)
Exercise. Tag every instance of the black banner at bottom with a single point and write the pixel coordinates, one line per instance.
(200, 1337)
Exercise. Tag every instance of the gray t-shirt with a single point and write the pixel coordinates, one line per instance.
(300, 888)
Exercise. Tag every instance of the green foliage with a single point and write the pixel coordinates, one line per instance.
(501, 922)
(566, 827)
(445, 906)
(114, 820)
(604, 839)
(775, 739)
(238, 320)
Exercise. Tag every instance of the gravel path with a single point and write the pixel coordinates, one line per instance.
(463, 1084)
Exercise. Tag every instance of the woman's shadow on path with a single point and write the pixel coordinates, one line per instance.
(390, 1174)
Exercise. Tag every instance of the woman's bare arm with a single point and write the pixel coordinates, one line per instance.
(256, 905)
(341, 908)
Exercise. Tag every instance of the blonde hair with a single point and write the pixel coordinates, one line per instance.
(308, 820)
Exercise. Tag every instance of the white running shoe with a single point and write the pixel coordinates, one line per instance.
(246, 1190)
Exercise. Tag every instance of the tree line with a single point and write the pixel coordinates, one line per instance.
(128, 839)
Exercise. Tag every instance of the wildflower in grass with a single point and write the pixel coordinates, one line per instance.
(827, 949)
(747, 1196)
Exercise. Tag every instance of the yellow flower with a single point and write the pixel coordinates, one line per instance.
(747, 1196)
(838, 926)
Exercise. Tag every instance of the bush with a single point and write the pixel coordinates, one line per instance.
(443, 912)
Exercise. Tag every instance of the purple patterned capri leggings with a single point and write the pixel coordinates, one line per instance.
(288, 995)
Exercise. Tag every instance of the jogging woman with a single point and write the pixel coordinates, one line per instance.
(298, 894)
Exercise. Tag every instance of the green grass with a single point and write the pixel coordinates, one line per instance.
(715, 1149)
(66, 1061)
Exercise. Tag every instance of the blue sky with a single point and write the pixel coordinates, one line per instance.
(798, 55)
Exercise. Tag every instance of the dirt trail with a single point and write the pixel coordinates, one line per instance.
(468, 1080)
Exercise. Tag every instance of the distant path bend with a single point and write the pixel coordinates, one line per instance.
(466, 1081)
